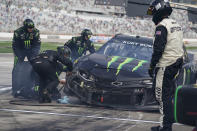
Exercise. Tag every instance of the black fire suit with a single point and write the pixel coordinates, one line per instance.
(48, 65)
(166, 64)
(25, 44)
(79, 46)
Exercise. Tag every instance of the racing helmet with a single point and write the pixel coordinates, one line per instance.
(159, 9)
(64, 51)
(28, 23)
(86, 33)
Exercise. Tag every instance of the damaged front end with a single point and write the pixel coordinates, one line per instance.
(135, 94)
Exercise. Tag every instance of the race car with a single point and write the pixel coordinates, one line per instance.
(117, 74)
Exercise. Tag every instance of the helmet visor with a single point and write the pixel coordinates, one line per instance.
(30, 25)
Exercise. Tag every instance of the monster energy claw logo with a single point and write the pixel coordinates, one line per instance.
(27, 43)
(139, 64)
(126, 61)
(114, 59)
(80, 50)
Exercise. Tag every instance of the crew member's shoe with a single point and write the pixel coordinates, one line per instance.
(45, 97)
(44, 100)
(41, 100)
(158, 128)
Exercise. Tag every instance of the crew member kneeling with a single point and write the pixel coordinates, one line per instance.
(46, 65)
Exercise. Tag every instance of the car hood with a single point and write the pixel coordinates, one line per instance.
(115, 67)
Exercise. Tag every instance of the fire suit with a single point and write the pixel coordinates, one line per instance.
(167, 60)
(47, 65)
(79, 46)
(25, 44)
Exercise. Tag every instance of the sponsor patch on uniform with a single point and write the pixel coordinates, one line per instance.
(158, 33)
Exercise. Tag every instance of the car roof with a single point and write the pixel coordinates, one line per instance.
(139, 39)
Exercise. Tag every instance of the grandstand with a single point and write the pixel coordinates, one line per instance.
(69, 17)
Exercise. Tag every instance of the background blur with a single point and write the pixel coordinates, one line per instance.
(108, 17)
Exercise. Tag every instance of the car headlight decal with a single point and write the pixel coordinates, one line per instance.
(86, 76)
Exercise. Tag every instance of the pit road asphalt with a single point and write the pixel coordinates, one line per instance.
(56, 117)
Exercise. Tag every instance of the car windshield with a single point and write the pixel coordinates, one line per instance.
(127, 48)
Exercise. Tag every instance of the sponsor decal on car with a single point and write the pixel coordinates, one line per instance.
(126, 61)
(114, 59)
(139, 65)
(137, 44)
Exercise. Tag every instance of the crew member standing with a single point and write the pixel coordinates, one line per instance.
(167, 59)
(26, 42)
(81, 44)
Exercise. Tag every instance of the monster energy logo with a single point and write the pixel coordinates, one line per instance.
(114, 59)
(80, 50)
(139, 64)
(27, 43)
(36, 88)
(126, 61)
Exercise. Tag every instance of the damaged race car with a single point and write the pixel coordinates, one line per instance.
(117, 74)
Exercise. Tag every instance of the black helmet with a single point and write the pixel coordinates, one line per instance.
(86, 32)
(64, 51)
(159, 9)
(28, 23)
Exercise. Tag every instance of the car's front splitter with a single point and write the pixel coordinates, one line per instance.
(125, 98)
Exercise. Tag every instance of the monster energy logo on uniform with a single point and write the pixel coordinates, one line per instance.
(36, 88)
(126, 61)
(80, 50)
(27, 43)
